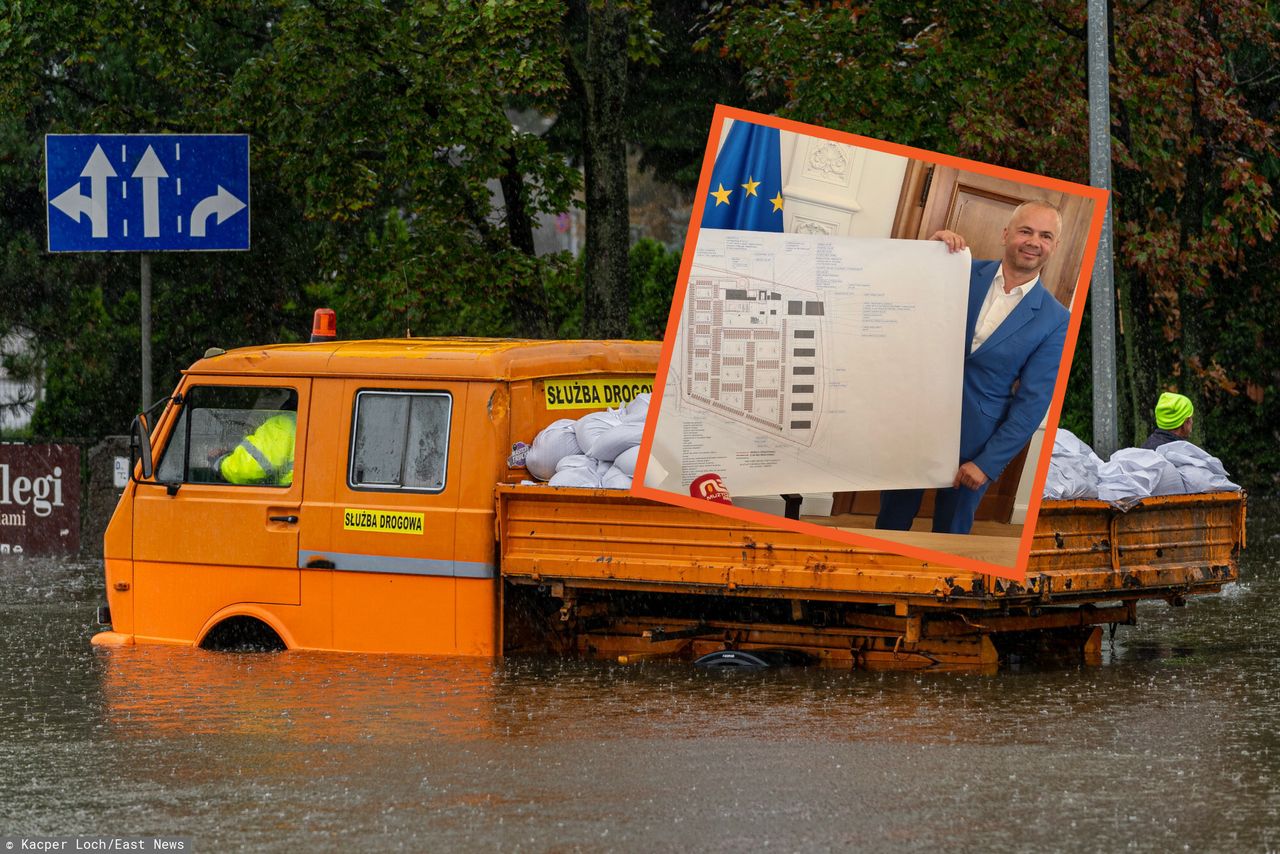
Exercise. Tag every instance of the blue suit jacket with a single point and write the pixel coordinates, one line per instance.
(996, 421)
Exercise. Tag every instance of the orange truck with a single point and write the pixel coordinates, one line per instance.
(402, 526)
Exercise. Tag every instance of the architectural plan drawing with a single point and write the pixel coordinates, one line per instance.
(811, 363)
(752, 353)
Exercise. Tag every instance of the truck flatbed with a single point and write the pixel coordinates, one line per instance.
(1090, 563)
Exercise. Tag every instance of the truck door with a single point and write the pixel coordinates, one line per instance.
(218, 524)
(396, 496)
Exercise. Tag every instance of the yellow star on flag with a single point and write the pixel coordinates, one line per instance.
(751, 185)
(722, 195)
(777, 202)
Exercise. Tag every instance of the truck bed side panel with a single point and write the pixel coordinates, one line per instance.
(1083, 551)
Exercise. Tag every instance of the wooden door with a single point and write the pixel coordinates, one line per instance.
(979, 206)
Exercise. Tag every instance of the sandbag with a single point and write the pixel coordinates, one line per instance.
(1137, 473)
(592, 426)
(579, 470)
(1200, 470)
(1073, 468)
(626, 461)
(637, 409)
(615, 479)
(608, 444)
(557, 441)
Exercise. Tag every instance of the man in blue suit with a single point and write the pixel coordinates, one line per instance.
(1013, 344)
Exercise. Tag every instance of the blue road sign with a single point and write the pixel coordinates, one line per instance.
(147, 192)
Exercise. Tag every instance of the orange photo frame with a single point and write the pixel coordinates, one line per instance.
(1096, 199)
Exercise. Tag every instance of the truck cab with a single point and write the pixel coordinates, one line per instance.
(381, 536)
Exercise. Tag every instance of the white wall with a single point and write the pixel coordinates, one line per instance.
(832, 188)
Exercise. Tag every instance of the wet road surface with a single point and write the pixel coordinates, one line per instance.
(1170, 745)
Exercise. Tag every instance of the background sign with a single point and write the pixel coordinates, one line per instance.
(39, 499)
(147, 192)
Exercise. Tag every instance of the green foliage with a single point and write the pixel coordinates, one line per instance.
(672, 86)
(1194, 169)
(83, 377)
(118, 67)
(943, 77)
(653, 280)
(390, 129)
(388, 180)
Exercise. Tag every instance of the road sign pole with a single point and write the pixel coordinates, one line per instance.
(146, 330)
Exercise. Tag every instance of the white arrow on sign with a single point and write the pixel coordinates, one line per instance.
(150, 170)
(98, 169)
(223, 204)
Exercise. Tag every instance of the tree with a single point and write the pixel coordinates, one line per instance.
(389, 180)
(390, 125)
(387, 176)
(64, 68)
(599, 74)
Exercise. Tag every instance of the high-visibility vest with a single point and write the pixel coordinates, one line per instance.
(265, 455)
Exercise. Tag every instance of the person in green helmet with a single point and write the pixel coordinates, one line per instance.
(264, 457)
(1173, 421)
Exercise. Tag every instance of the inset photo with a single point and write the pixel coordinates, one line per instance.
(869, 342)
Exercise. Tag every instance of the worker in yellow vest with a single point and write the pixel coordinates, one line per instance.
(265, 456)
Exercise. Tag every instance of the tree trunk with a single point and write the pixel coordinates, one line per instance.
(605, 155)
(530, 310)
(1137, 381)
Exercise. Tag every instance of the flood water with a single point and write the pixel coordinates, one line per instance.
(1171, 744)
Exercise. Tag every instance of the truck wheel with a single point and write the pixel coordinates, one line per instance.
(754, 658)
(242, 634)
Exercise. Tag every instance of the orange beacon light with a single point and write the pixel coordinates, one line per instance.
(324, 325)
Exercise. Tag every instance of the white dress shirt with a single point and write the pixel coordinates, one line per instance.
(997, 306)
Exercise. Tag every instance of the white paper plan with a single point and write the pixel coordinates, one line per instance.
(811, 363)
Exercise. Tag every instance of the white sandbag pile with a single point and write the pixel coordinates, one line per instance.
(1175, 468)
(1073, 469)
(598, 450)
(1137, 473)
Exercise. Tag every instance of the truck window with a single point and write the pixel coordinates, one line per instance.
(400, 440)
(223, 436)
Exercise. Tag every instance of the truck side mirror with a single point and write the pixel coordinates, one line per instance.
(140, 446)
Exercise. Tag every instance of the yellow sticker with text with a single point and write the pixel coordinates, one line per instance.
(595, 393)
(382, 521)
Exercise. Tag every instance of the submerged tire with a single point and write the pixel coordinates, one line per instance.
(754, 658)
(242, 634)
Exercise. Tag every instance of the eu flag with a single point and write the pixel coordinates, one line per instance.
(746, 183)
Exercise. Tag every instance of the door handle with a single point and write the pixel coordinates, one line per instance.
(319, 563)
(292, 520)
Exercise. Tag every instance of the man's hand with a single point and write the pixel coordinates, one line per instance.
(955, 242)
(970, 476)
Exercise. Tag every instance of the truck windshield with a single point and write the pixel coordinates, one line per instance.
(240, 435)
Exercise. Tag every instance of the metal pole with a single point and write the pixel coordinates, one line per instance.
(1102, 292)
(146, 330)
